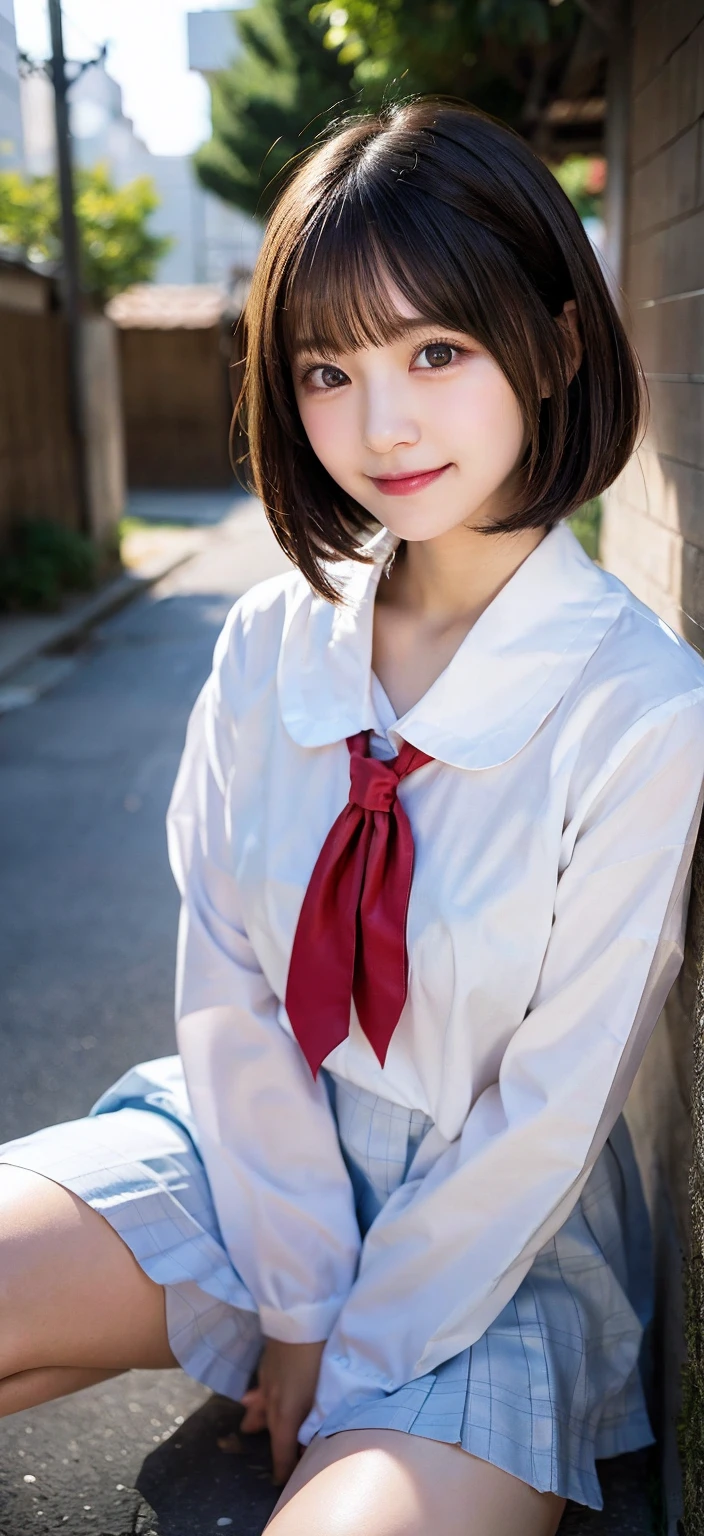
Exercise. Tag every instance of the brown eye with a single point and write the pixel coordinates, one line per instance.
(438, 355)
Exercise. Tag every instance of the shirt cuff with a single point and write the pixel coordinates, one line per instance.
(342, 1380)
(310, 1324)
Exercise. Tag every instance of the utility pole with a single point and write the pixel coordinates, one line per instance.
(70, 264)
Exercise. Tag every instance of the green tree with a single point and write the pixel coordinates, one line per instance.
(117, 247)
(498, 54)
(282, 87)
(301, 63)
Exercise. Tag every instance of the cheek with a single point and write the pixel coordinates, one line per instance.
(328, 429)
(483, 412)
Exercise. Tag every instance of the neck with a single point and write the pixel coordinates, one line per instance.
(455, 576)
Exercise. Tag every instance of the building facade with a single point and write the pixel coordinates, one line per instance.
(210, 239)
(11, 146)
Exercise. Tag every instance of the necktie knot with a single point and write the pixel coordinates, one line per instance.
(350, 940)
(373, 784)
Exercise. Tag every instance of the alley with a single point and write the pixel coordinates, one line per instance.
(87, 941)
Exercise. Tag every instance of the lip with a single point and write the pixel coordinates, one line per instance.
(405, 485)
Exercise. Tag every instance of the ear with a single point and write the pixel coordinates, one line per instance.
(568, 322)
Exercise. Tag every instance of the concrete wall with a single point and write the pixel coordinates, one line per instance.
(653, 538)
(104, 428)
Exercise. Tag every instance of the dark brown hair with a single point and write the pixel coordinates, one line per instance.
(476, 233)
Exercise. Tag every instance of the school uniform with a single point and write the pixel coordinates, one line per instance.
(449, 1197)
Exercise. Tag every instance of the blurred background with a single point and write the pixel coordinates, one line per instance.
(173, 126)
(140, 146)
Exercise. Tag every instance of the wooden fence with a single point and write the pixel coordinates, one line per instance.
(37, 474)
(177, 408)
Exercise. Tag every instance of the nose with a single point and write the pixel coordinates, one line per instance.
(388, 421)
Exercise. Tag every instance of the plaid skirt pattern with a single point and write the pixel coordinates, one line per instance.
(554, 1383)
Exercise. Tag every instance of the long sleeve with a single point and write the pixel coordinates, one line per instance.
(453, 1243)
(266, 1131)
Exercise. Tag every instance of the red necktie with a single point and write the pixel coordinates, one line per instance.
(351, 935)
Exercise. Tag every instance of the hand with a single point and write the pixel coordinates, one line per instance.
(283, 1398)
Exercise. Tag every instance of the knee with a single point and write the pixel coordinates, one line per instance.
(34, 1214)
(25, 1221)
(347, 1483)
(16, 1205)
(23, 1198)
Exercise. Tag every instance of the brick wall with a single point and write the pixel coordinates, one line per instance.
(654, 515)
(653, 538)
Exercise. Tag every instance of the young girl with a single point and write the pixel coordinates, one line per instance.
(432, 829)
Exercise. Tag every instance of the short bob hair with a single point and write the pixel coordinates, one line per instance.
(471, 227)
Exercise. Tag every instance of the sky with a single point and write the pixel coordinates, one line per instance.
(170, 105)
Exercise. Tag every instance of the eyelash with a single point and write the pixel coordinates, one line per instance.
(442, 341)
(437, 341)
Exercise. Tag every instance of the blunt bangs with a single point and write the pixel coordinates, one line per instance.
(337, 294)
(337, 297)
(459, 215)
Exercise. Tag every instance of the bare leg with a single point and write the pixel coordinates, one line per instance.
(73, 1299)
(386, 1483)
(29, 1388)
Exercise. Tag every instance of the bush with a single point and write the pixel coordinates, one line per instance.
(586, 524)
(43, 563)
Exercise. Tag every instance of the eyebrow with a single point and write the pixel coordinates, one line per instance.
(322, 343)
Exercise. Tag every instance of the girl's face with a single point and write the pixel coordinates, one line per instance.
(424, 432)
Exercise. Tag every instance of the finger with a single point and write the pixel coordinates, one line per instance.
(253, 1421)
(284, 1451)
(253, 1426)
(254, 1418)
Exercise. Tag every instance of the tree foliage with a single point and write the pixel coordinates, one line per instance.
(299, 64)
(281, 87)
(486, 51)
(117, 247)
(583, 178)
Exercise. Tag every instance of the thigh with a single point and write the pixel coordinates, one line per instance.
(71, 1292)
(386, 1483)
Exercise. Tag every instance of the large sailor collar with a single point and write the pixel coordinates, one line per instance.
(511, 670)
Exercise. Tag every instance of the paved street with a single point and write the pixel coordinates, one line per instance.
(87, 939)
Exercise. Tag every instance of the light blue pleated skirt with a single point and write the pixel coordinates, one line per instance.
(553, 1384)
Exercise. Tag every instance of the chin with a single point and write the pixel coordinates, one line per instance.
(417, 526)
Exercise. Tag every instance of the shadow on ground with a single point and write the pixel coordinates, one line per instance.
(136, 1456)
(154, 1454)
(222, 1477)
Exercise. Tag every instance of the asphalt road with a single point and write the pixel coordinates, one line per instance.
(87, 938)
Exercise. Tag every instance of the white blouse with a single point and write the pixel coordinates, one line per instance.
(553, 838)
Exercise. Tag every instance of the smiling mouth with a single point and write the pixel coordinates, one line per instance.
(405, 485)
